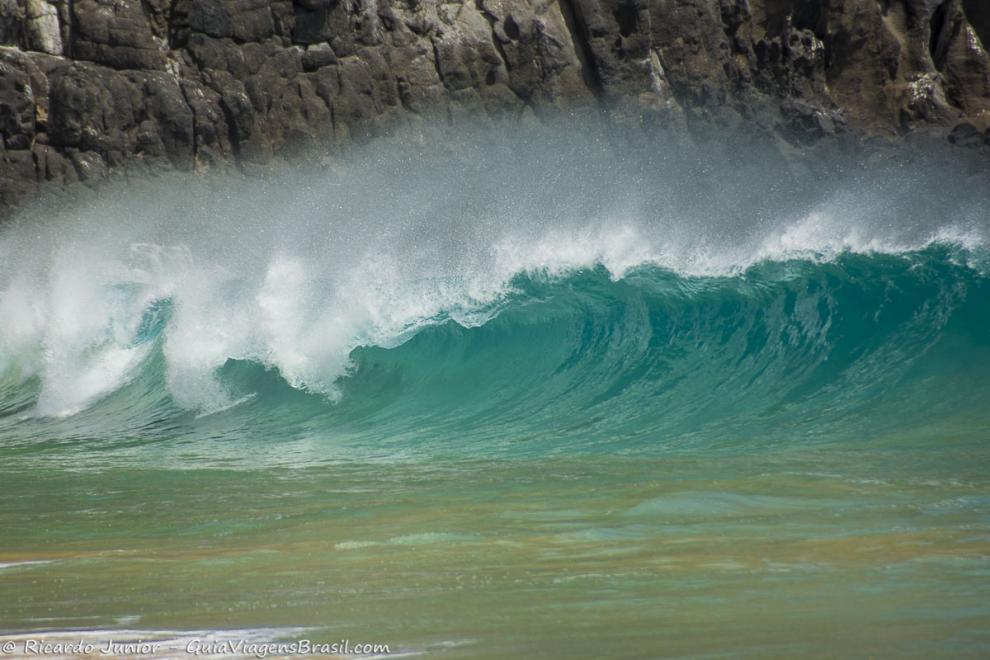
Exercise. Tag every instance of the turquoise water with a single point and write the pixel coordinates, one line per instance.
(616, 414)
(884, 347)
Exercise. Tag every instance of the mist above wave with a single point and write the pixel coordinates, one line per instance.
(296, 269)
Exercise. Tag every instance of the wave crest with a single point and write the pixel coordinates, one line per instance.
(172, 299)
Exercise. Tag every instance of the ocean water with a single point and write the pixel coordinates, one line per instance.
(564, 394)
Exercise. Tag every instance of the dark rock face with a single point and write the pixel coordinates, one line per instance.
(91, 87)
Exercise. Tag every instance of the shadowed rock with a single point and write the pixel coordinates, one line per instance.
(93, 87)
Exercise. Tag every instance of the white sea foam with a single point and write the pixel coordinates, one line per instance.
(296, 271)
(22, 564)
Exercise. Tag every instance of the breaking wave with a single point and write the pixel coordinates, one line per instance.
(554, 291)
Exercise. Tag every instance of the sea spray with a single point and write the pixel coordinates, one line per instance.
(561, 392)
(302, 273)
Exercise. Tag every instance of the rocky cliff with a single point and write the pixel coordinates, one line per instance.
(91, 87)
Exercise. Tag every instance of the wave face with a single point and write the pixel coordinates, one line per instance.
(553, 292)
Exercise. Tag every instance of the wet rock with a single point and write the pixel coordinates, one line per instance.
(42, 25)
(11, 22)
(93, 87)
(18, 177)
(116, 33)
(17, 118)
(966, 135)
(240, 20)
(318, 56)
(960, 55)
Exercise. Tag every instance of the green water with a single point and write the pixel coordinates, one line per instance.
(654, 466)
(651, 404)
(804, 553)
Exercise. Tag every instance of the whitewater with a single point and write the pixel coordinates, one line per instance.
(295, 274)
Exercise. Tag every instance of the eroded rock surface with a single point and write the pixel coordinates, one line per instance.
(90, 87)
